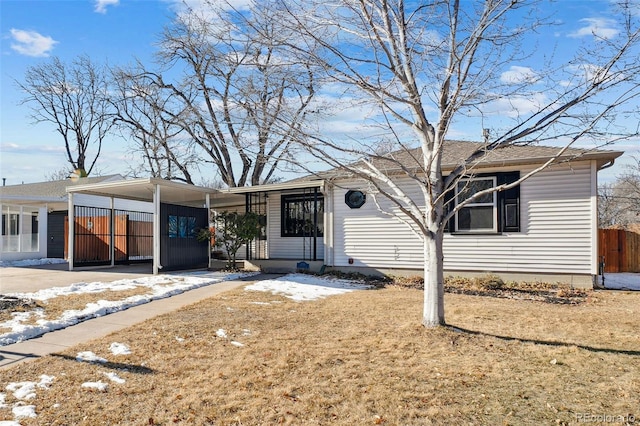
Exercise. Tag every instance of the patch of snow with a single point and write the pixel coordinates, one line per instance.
(221, 333)
(26, 390)
(99, 386)
(301, 287)
(9, 423)
(119, 349)
(88, 356)
(24, 411)
(22, 390)
(238, 344)
(114, 377)
(180, 339)
(45, 381)
(160, 286)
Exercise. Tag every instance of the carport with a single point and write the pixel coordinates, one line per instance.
(179, 210)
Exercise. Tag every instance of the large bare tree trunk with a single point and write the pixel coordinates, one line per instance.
(433, 311)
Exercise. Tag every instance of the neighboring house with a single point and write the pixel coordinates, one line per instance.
(33, 216)
(544, 229)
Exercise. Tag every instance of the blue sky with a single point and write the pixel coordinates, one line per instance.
(117, 31)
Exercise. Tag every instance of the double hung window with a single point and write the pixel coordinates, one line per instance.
(479, 214)
(491, 212)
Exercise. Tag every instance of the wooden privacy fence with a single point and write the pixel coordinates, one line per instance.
(132, 239)
(620, 250)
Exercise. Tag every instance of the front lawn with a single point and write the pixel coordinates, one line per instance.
(252, 357)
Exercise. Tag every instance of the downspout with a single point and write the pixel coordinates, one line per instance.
(113, 232)
(598, 261)
(70, 231)
(247, 209)
(207, 203)
(594, 218)
(156, 230)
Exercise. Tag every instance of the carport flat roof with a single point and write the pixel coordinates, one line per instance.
(182, 193)
(142, 189)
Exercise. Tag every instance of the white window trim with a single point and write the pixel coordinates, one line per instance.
(493, 204)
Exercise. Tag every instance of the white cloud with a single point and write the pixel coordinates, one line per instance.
(205, 8)
(516, 106)
(101, 5)
(31, 43)
(598, 27)
(518, 75)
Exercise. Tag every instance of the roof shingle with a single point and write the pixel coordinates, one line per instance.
(52, 189)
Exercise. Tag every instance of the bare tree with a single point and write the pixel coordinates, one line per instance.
(421, 66)
(163, 148)
(73, 97)
(619, 201)
(60, 174)
(235, 91)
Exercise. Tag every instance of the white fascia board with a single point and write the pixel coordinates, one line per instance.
(276, 187)
(24, 199)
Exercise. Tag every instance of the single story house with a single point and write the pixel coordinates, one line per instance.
(33, 216)
(543, 229)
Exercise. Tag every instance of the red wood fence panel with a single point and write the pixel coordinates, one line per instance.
(620, 250)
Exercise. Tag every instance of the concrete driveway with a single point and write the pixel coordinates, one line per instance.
(29, 279)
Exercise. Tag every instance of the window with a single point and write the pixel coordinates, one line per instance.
(479, 214)
(302, 215)
(493, 212)
(19, 229)
(10, 229)
(182, 226)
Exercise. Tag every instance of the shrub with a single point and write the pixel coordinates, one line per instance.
(489, 282)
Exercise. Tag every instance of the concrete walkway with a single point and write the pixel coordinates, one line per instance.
(56, 341)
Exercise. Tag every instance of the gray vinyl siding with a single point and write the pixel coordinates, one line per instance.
(556, 234)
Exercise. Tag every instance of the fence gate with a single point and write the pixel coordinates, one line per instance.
(133, 236)
(619, 249)
(131, 239)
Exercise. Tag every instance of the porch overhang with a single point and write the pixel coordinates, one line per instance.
(143, 190)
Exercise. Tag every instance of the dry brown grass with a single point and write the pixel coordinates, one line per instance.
(53, 308)
(359, 358)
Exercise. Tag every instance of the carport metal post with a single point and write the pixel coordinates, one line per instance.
(112, 226)
(71, 231)
(208, 206)
(156, 230)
